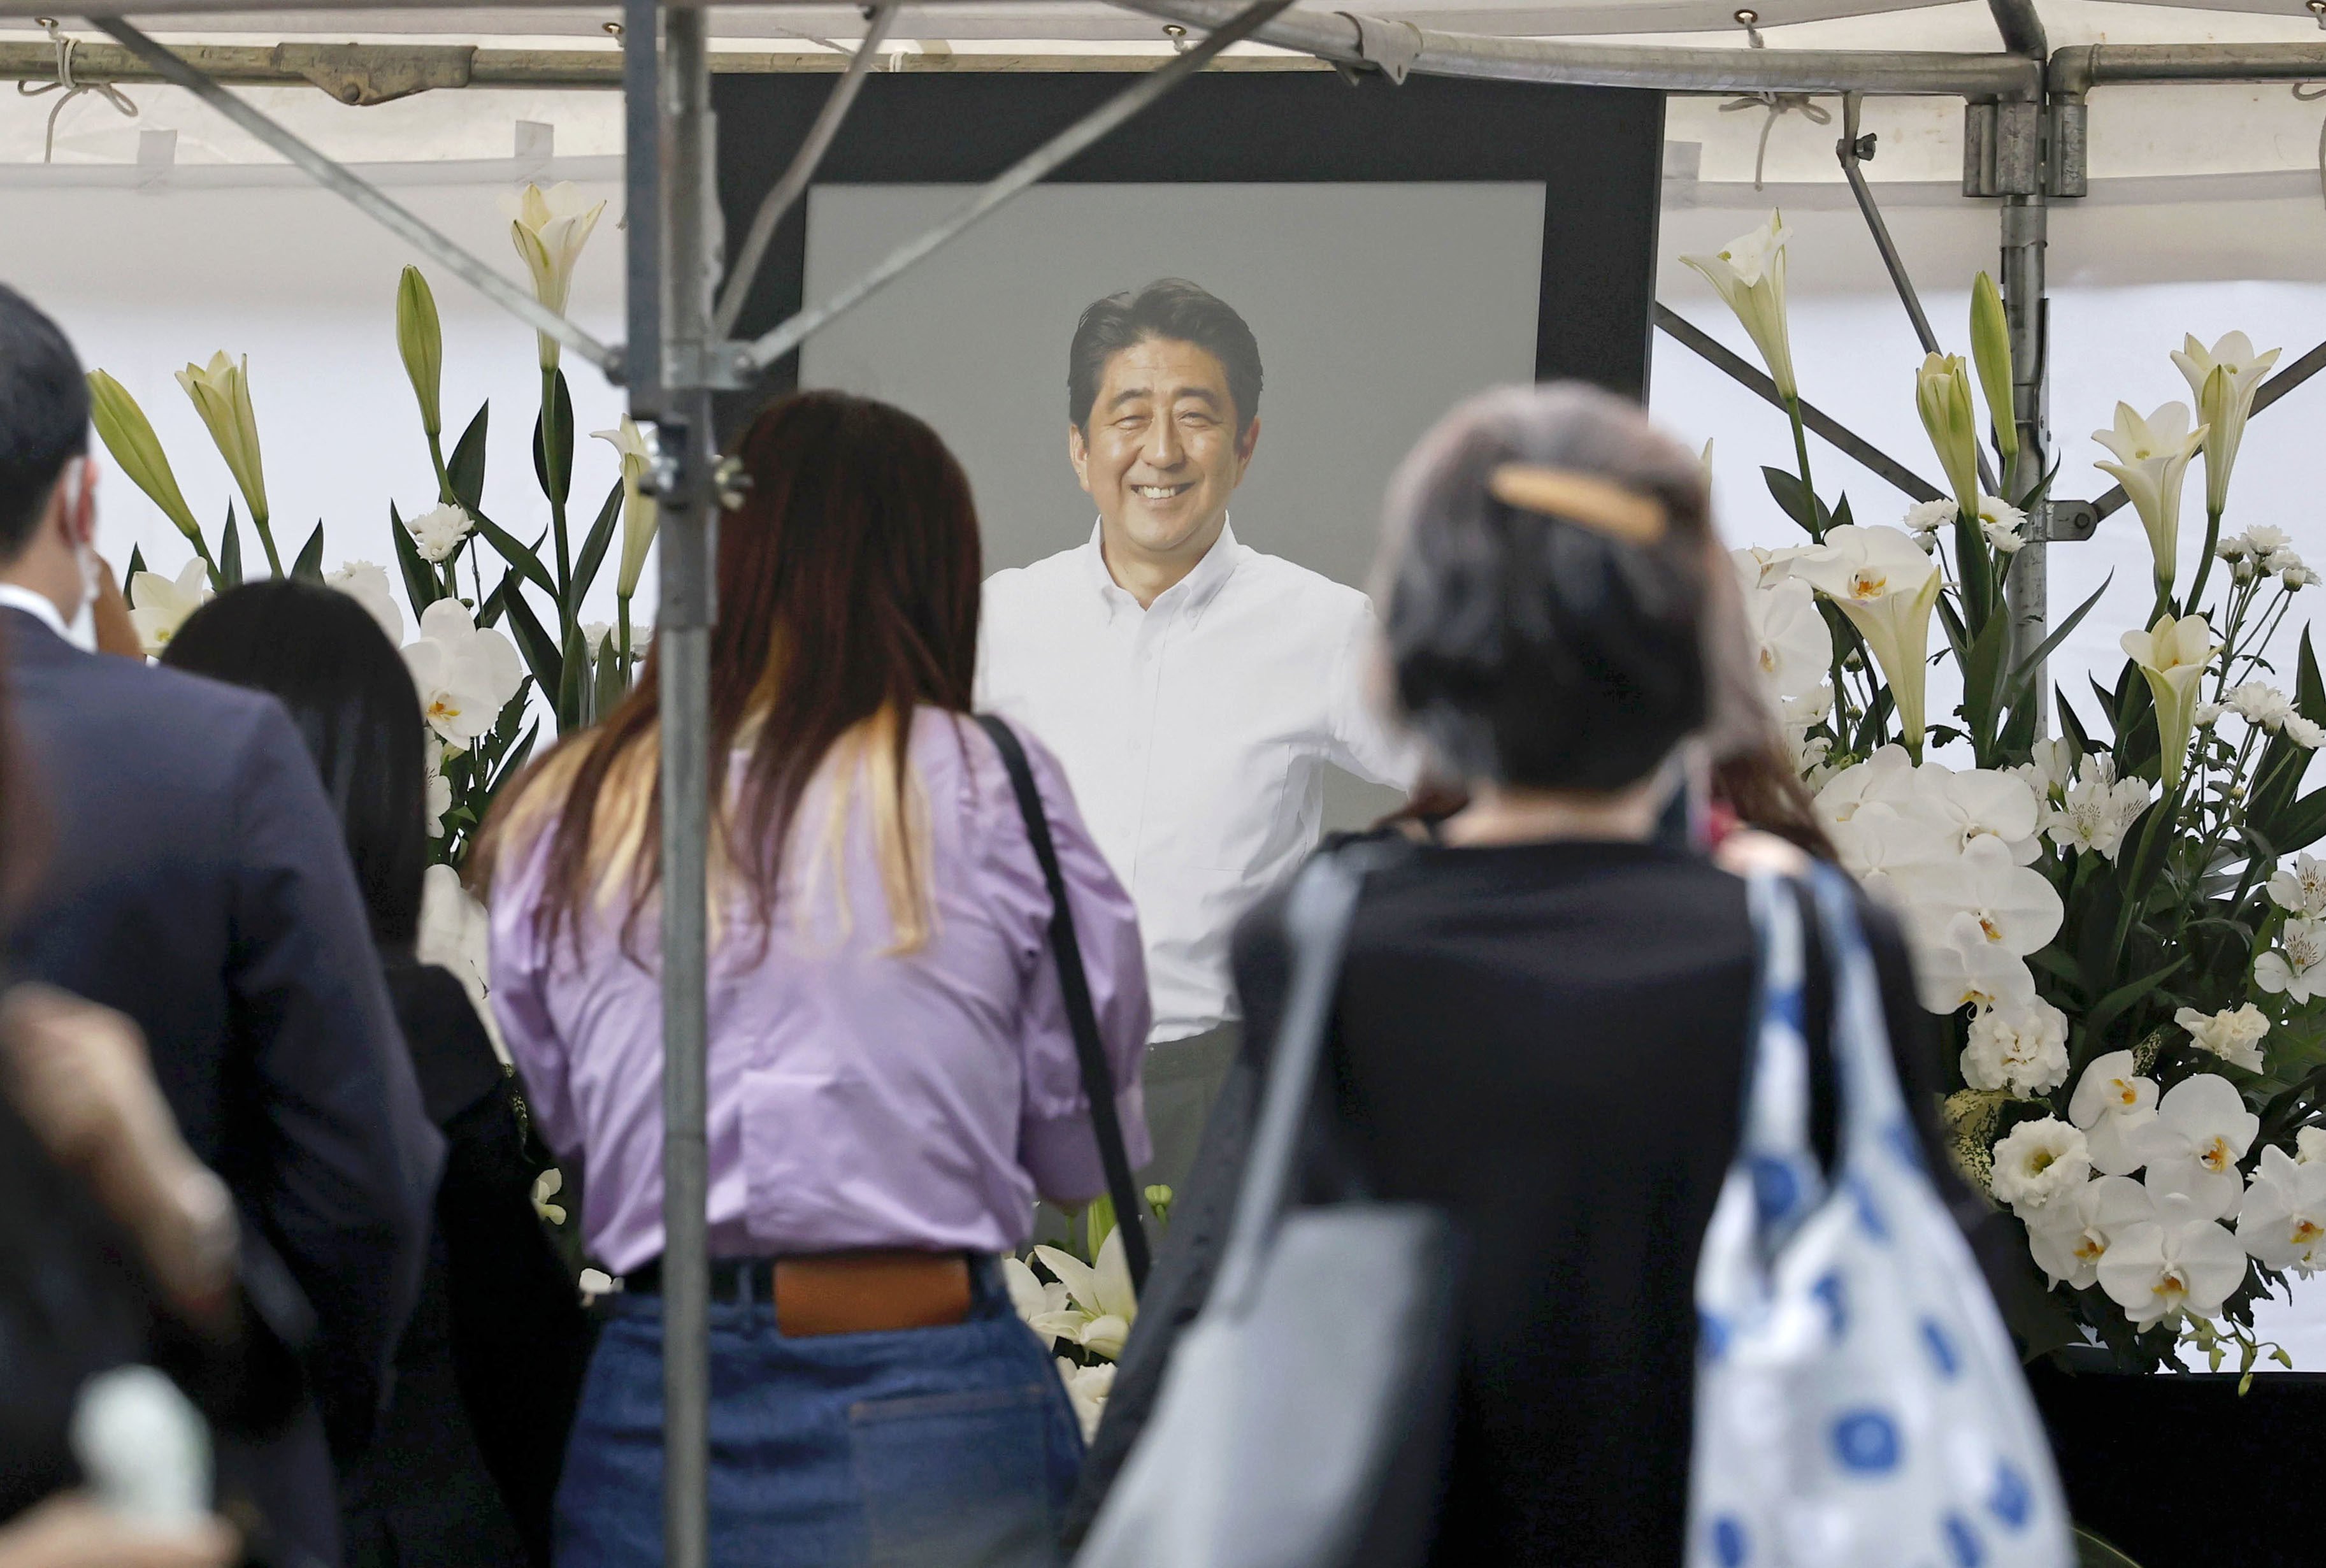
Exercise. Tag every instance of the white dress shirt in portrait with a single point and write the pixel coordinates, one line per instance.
(1195, 734)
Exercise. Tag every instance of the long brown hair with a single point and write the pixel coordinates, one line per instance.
(848, 597)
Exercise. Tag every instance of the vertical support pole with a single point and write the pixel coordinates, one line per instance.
(689, 540)
(2025, 228)
(642, 205)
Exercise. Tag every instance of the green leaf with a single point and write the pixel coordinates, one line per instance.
(2070, 724)
(2025, 675)
(524, 561)
(420, 584)
(1796, 501)
(229, 560)
(136, 565)
(553, 448)
(466, 468)
(540, 649)
(2302, 825)
(2093, 1551)
(1977, 567)
(593, 548)
(2308, 691)
(1982, 677)
(611, 688)
(309, 566)
(2117, 1003)
(576, 687)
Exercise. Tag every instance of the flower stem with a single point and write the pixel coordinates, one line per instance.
(622, 620)
(1802, 458)
(444, 496)
(266, 538)
(2205, 561)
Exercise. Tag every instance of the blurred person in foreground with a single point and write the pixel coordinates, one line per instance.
(1543, 1015)
(892, 1078)
(195, 879)
(464, 1466)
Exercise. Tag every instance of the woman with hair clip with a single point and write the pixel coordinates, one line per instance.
(892, 1078)
(1542, 1013)
(461, 1467)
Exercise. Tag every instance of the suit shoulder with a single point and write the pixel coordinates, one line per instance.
(178, 719)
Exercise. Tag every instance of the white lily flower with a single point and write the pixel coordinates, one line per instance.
(2037, 1162)
(1887, 587)
(1102, 1305)
(438, 532)
(437, 789)
(638, 515)
(1087, 1387)
(2172, 656)
(160, 606)
(456, 933)
(2310, 1146)
(465, 676)
(2024, 1050)
(2222, 380)
(1794, 648)
(2203, 1129)
(1749, 273)
(2299, 888)
(2180, 1262)
(2071, 1235)
(366, 585)
(2297, 969)
(1923, 519)
(2114, 1106)
(220, 392)
(1033, 1296)
(2282, 1223)
(2151, 458)
(549, 229)
(2234, 1034)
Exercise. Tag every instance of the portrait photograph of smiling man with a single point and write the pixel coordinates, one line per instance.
(1195, 689)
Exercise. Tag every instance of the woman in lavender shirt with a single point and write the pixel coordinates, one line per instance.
(892, 1079)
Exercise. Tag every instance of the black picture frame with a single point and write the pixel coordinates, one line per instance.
(1598, 152)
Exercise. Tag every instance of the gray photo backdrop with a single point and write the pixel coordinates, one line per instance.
(1377, 307)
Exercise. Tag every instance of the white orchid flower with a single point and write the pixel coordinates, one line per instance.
(437, 532)
(1794, 648)
(1984, 803)
(1100, 1303)
(2300, 889)
(2050, 768)
(1889, 776)
(465, 676)
(2151, 458)
(160, 606)
(437, 789)
(2180, 1262)
(366, 585)
(1087, 1388)
(2232, 1034)
(2014, 908)
(2203, 1129)
(1943, 398)
(638, 515)
(1887, 587)
(1758, 566)
(220, 392)
(2297, 969)
(1749, 273)
(1883, 846)
(1957, 966)
(549, 229)
(2282, 1223)
(2222, 380)
(2172, 656)
(2071, 1235)
(2022, 1049)
(2037, 1162)
(2114, 1106)
(456, 933)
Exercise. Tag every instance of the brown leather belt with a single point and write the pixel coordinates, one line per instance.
(839, 1293)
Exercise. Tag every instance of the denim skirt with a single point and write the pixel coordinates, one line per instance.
(952, 1447)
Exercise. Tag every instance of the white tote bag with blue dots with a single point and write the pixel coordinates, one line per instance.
(1858, 1403)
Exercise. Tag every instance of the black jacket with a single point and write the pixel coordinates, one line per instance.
(195, 879)
(465, 1466)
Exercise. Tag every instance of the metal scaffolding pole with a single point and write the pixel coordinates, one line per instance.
(2024, 172)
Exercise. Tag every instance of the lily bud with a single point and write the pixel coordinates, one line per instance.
(129, 436)
(638, 515)
(420, 339)
(221, 391)
(2172, 656)
(1990, 349)
(1943, 398)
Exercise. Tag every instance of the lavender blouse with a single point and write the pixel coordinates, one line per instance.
(859, 1098)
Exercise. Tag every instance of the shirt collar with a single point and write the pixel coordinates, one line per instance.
(40, 606)
(1191, 594)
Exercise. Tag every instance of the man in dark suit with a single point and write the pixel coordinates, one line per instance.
(195, 879)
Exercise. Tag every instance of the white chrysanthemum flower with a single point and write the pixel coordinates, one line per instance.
(2000, 522)
(2234, 1034)
(2022, 1049)
(2039, 1161)
(2297, 969)
(1087, 1387)
(2205, 716)
(1924, 518)
(438, 532)
(2259, 703)
(2303, 733)
(2310, 1145)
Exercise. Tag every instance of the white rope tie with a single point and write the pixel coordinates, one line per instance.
(71, 88)
(1776, 104)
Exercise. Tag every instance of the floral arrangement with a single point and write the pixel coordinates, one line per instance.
(1082, 1303)
(480, 655)
(2115, 922)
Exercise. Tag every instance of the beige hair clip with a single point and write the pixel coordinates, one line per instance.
(1580, 498)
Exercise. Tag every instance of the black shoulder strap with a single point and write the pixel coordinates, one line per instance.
(1073, 984)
